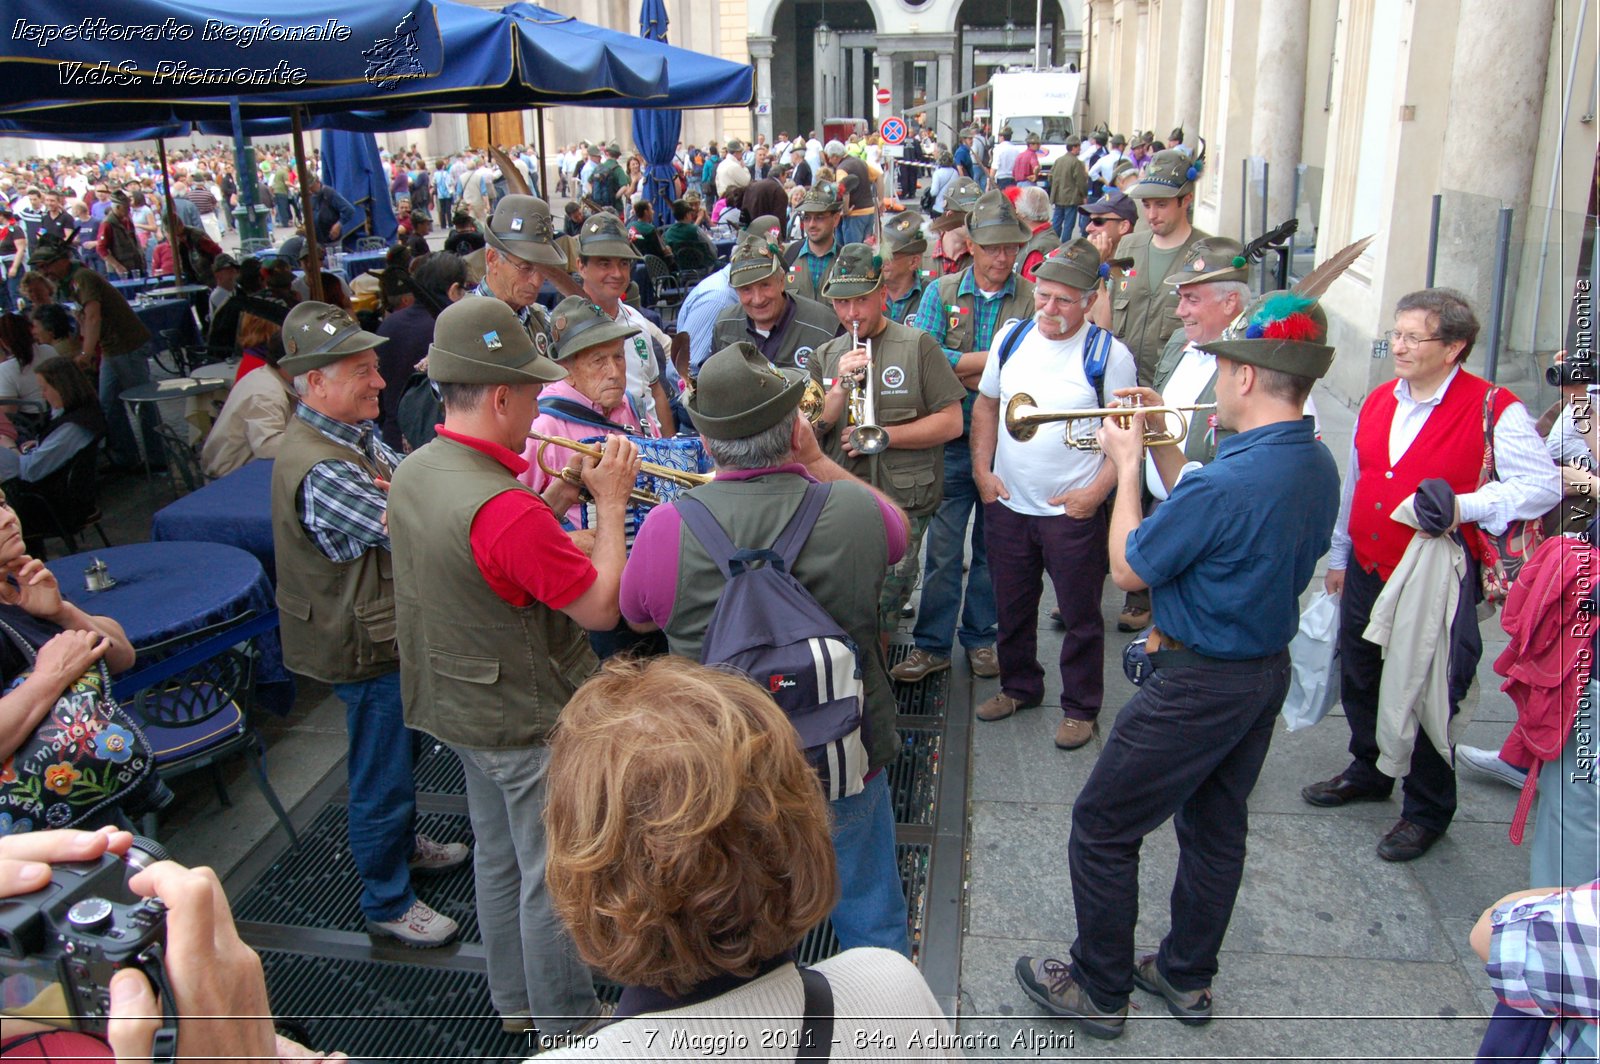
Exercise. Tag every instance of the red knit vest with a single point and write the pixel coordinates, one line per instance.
(1450, 446)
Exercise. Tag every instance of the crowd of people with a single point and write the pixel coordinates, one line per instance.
(885, 398)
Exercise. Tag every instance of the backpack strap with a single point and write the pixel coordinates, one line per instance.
(816, 1028)
(1013, 339)
(568, 410)
(708, 531)
(795, 533)
(1096, 353)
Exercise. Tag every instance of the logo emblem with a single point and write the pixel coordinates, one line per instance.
(516, 225)
(893, 376)
(802, 357)
(778, 682)
(541, 343)
(491, 340)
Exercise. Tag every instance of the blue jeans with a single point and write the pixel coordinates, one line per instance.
(872, 903)
(118, 373)
(282, 203)
(383, 795)
(854, 230)
(1063, 220)
(941, 582)
(1566, 822)
(534, 968)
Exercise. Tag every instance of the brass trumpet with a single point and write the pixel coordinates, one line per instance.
(649, 469)
(1023, 420)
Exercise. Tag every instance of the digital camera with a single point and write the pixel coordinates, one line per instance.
(1572, 371)
(60, 946)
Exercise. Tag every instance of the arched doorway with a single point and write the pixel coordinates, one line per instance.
(995, 34)
(824, 62)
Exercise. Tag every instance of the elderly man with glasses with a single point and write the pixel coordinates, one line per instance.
(1420, 441)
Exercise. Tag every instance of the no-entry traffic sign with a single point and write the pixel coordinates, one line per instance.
(883, 95)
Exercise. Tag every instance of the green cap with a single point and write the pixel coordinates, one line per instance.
(822, 198)
(754, 258)
(902, 234)
(994, 222)
(579, 324)
(1215, 258)
(856, 272)
(319, 334)
(1168, 174)
(1281, 331)
(1076, 265)
(480, 340)
(49, 250)
(521, 226)
(960, 196)
(739, 393)
(603, 237)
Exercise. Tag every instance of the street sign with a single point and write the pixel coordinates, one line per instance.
(892, 129)
(883, 95)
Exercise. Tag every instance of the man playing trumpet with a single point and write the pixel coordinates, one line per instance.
(1044, 501)
(916, 399)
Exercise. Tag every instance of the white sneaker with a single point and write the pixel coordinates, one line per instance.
(430, 856)
(419, 928)
(1488, 763)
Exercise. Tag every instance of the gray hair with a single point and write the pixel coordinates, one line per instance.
(767, 448)
(302, 381)
(1034, 204)
(1456, 320)
(1238, 289)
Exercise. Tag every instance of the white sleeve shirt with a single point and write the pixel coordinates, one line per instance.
(1526, 485)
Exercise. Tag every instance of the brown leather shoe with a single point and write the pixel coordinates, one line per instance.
(1407, 841)
(919, 664)
(985, 663)
(1072, 733)
(1339, 791)
(1001, 706)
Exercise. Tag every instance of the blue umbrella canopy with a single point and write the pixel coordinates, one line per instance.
(352, 166)
(158, 49)
(656, 131)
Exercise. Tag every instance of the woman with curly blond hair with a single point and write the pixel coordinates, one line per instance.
(689, 853)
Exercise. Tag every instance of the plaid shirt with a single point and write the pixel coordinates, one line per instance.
(541, 321)
(931, 319)
(341, 509)
(1544, 958)
(817, 264)
(902, 309)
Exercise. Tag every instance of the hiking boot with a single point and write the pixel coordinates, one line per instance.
(1072, 733)
(984, 662)
(1191, 1007)
(516, 1024)
(1048, 983)
(430, 856)
(919, 665)
(419, 928)
(1001, 706)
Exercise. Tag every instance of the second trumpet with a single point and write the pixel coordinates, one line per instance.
(1024, 418)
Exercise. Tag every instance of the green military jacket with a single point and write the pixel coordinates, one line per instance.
(911, 378)
(811, 326)
(1143, 310)
(800, 273)
(1069, 181)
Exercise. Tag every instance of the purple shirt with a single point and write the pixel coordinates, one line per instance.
(650, 580)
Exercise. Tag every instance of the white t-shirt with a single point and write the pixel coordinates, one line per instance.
(1051, 371)
(1005, 158)
(643, 371)
(20, 382)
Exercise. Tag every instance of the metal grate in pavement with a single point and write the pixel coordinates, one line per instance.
(926, 697)
(437, 770)
(317, 885)
(914, 776)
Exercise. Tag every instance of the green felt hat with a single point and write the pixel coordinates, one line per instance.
(902, 234)
(1281, 331)
(521, 226)
(603, 237)
(1076, 265)
(754, 258)
(739, 393)
(994, 221)
(1215, 258)
(856, 272)
(579, 324)
(319, 334)
(1168, 174)
(480, 340)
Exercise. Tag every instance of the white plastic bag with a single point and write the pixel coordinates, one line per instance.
(1314, 658)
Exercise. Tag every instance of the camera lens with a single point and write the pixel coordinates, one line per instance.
(144, 853)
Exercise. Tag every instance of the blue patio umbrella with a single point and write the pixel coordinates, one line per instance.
(656, 132)
(352, 166)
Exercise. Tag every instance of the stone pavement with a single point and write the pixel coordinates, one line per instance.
(1332, 952)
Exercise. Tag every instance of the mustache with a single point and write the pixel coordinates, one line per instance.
(1059, 322)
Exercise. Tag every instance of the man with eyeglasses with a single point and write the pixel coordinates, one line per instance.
(1421, 439)
(520, 256)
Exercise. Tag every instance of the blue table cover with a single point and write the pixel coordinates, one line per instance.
(166, 590)
(169, 314)
(235, 509)
(132, 286)
(357, 263)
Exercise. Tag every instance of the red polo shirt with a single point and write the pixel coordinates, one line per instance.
(518, 544)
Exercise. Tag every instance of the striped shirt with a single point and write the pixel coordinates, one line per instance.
(541, 320)
(202, 198)
(341, 508)
(1544, 959)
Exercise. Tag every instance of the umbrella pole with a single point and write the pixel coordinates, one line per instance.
(544, 176)
(313, 275)
(172, 208)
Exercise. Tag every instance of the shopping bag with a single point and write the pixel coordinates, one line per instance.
(1314, 662)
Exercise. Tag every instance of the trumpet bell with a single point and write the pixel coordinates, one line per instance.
(870, 439)
(1021, 420)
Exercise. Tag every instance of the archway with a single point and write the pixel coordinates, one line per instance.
(995, 34)
(824, 62)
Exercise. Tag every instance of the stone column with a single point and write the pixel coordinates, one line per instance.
(1098, 49)
(761, 52)
(1497, 88)
(826, 55)
(944, 119)
(1191, 69)
(1280, 100)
